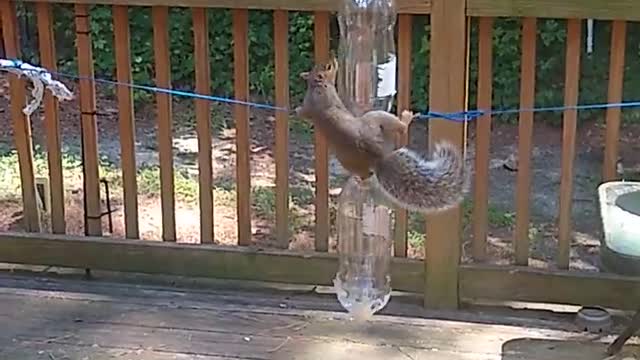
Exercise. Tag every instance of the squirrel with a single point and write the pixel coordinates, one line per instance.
(365, 146)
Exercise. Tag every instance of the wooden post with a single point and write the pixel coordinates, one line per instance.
(446, 94)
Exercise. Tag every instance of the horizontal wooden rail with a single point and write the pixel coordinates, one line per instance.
(477, 282)
(404, 6)
(514, 283)
(565, 9)
(156, 257)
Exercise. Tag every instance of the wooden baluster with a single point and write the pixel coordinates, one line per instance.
(203, 114)
(52, 121)
(571, 88)
(160, 15)
(321, 51)
(241, 114)
(126, 120)
(525, 136)
(87, 94)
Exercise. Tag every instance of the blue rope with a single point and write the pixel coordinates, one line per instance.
(460, 116)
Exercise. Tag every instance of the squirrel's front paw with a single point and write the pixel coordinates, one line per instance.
(406, 117)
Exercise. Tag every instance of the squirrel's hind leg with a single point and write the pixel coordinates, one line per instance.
(388, 122)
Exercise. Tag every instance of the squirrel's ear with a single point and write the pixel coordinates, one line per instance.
(304, 75)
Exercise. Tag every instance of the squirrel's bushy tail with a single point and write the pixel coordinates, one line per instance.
(423, 184)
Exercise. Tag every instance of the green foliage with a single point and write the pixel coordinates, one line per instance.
(550, 69)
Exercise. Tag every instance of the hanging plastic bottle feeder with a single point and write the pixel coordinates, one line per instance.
(366, 81)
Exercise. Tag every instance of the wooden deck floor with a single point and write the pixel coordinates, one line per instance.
(56, 318)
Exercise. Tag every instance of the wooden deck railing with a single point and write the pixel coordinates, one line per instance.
(442, 279)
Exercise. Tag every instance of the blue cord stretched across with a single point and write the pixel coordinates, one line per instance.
(460, 116)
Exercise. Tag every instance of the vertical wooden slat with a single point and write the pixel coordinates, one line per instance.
(241, 114)
(160, 16)
(405, 27)
(126, 120)
(52, 122)
(525, 136)
(88, 122)
(483, 139)
(616, 77)
(281, 44)
(572, 77)
(201, 45)
(21, 122)
(446, 94)
(321, 51)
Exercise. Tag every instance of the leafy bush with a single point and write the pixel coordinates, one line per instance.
(550, 55)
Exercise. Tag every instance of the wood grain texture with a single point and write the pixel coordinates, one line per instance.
(241, 115)
(48, 60)
(525, 138)
(616, 79)
(207, 260)
(568, 9)
(569, 124)
(203, 123)
(446, 94)
(126, 120)
(405, 31)
(321, 153)
(519, 283)
(403, 6)
(477, 282)
(88, 123)
(164, 113)
(21, 122)
(483, 139)
(281, 48)
(219, 324)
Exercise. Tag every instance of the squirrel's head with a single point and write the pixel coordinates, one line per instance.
(322, 74)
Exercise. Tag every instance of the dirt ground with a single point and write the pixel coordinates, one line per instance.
(544, 192)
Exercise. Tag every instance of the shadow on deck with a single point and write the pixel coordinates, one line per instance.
(65, 317)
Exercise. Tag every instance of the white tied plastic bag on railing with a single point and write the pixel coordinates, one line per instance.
(40, 78)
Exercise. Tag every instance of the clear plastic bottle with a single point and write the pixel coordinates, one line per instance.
(366, 81)
(363, 281)
(367, 54)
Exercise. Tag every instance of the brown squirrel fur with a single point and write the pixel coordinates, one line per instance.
(365, 147)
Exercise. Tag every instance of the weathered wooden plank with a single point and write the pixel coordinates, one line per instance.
(203, 123)
(126, 120)
(483, 139)
(154, 257)
(568, 9)
(163, 321)
(405, 27)
(403, 6)
(515, 283)
(616, 79)
(525, 138)
(281, 48)
(321, 53)
(46, 41)
(569, 124)
(241, 115)
(447, 89)
(21, 122)
(164, 113)
(88, 123)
